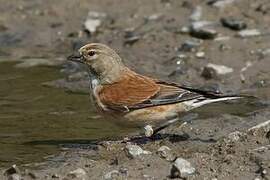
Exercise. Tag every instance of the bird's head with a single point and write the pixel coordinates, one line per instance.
(102, 61)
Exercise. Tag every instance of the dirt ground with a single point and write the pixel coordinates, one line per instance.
(149, 36)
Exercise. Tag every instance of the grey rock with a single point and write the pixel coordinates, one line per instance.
(78, 174)
(261, 129)
(166, 153)
(14, 177)
(135, 150)
(213, 70)
(233, 23)
(112, 175)
(12, 170)
(249, 33)
(93, 21)
(190, 45)
(13, 173)
(181, 168)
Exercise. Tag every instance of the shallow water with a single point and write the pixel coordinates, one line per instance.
(35, 120)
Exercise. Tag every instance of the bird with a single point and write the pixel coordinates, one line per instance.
(120, 93)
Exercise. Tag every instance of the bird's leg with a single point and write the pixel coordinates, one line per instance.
(149, 131)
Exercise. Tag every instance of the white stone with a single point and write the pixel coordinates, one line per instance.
(220, 69)
(182, 167)
(249, 33)
(135, 150)
(148, 131)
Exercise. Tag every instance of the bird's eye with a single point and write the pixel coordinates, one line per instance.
(91, 53)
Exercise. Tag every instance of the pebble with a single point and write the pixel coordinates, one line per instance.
(12, 170)
(131, 38)
(135, 150)
(181, 168)
(209, 73)
(15, 177)
(148, 131)
(13, 173)
(249, 33)
(166, 153)
(190, 45)
(112, 175)
(220, 3)
(196, 14)
(233, 23)
(203, 32)
(200, 54)
(78, 173)
(261, 129)
(220, 69)
(93, 21)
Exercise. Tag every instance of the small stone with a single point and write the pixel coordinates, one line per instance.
(220, 3)
(12, 170)
(14, 177)
(261, 129)
(249, 33)
(203, 33)
(235, 136)
(93, 21)
(135, 150)
(181, 168)
(200, 54)
(190, 45)
(131, 38)
(78, 173)
(233, 23)
(112, 175)
(196, 14)
(165, 152)
(185, 30)
(148, 131)
(209, 73)
(154, 17)
(220, 69)
(55, 176)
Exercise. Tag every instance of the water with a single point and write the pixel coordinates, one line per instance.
(35, 120)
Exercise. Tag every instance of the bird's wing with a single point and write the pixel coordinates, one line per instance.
(132, 89)
(135, 91)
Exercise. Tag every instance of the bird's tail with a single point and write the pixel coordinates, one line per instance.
(195, 103)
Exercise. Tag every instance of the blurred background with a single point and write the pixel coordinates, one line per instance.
(222, 45)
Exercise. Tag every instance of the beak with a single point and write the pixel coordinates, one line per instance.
(76, 58)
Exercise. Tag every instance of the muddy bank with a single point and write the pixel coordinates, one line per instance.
(219, 45)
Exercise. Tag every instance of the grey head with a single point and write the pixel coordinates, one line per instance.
(102, 62)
